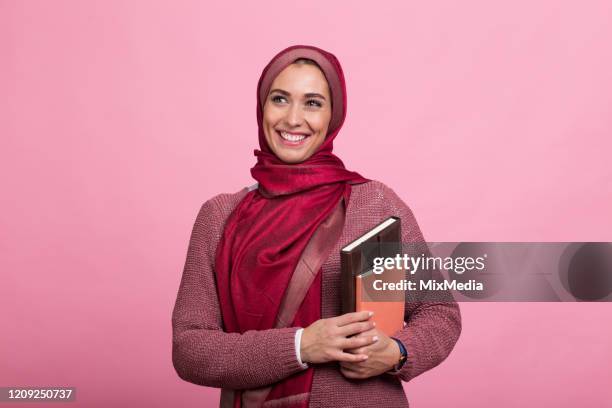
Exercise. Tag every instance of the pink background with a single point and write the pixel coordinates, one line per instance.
(492, 120)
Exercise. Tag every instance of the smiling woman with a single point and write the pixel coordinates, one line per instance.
(258, 311)
(297, 111)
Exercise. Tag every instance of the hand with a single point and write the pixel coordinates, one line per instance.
(326, 339)
(382, 357)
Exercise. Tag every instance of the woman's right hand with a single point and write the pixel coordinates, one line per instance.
(326, 339)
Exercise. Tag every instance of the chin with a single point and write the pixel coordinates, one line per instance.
(291, 157)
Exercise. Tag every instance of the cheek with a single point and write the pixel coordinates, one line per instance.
(320, 122)
(318, 139)
(270, 116)
(269, 122)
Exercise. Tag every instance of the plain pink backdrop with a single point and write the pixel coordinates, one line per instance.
(118, 119)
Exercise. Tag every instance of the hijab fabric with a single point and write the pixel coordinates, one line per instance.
(267, 232)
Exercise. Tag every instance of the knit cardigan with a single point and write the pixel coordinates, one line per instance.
(202, 353)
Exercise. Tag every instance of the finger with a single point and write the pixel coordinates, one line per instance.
(372, 332)
(353, 317)
(358, 342)
(346, 373)
(354, 328)
(359, 350)
(357, 370)
(350, 366)
(350, 358)
(350, 374)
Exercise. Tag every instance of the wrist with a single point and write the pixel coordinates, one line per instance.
(400, 353)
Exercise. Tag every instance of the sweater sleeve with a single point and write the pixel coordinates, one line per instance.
(202, 353)
(433, 319)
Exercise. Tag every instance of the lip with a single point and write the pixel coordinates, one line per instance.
(292, 133)
(289, 143)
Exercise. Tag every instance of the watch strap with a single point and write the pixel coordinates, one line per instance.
(403, 354)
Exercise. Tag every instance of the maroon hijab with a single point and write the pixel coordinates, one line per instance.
(266, 234)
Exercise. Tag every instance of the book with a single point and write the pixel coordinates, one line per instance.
(358, 279)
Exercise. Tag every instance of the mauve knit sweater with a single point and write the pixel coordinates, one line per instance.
(202, 353)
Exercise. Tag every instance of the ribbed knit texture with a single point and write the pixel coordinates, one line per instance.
(204, 354)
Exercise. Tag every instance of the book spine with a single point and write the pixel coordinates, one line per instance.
(350, 263)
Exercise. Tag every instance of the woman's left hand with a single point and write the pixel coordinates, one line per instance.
(382, 357)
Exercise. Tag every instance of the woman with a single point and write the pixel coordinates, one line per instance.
(258, 308)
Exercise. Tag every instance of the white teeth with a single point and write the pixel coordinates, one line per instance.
(292, 138)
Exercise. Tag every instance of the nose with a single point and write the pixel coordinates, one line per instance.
(294, 116)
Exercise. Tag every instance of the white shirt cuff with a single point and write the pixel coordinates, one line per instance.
(298, 342)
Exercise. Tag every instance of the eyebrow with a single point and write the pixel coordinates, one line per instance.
(308, 95)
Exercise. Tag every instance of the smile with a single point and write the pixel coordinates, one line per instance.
(292, 139)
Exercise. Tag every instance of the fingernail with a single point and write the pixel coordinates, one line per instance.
(374, 324)
(365, 357)
(370, 314)
(375, 338)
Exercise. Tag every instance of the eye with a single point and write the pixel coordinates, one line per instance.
(314, 102)
(278, 99)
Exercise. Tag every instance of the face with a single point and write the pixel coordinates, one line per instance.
(297, 112)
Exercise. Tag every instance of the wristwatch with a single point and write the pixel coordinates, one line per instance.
(403, 354)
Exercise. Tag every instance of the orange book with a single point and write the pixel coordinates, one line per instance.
(358, 279)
